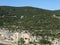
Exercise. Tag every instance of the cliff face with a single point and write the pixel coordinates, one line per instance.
(25, 37)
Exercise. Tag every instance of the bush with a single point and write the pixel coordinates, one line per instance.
(45, 42)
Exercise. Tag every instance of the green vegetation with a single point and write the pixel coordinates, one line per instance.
(29, 18)
(21, 41)
(45, 42)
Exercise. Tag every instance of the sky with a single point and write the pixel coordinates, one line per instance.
(45, 4)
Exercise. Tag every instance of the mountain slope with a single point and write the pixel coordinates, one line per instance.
(28, 18)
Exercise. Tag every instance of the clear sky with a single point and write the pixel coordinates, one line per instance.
(45, 4)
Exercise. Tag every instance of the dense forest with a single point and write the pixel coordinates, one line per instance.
(29, 18)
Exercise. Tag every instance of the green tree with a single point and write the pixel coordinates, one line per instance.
(21, 41)
(44, 42)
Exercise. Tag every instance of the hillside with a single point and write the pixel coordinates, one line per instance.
(30, 18)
